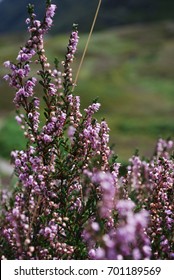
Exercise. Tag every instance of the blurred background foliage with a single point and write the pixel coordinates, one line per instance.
(129, 66)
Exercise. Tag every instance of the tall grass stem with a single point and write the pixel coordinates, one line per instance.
(87, 43)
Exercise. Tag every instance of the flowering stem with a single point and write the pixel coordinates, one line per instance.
(87, 43)
(34, 214)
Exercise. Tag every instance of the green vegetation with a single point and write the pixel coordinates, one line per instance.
(11, 137)
(130, 70)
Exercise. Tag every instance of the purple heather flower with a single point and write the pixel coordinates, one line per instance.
(49, 21)
(71, 132)
(37, 23)
(125, 206)
(6, 77)
(92, 253)
(22, 57)
(100, 254)
(50, 12)
(7, 64)
(18, 119)
(92, 109)
(28, 21)
(47, 138)
(52, 89)
(95, 226)
(72, 47)
(36, 103)
(106, 185)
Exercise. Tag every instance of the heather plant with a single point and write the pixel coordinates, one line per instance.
(152, 185)
(70, 201)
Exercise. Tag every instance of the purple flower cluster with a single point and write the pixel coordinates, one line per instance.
(72, 46)
(33, 45)
(71, 50)
(30, 169)
(126, 240)
(17, 73)
(108, 191)
(53, 128)
(16, 222)
(50, 12)
(26, 91)
(93, 137)
(75, 114)
(153, 185)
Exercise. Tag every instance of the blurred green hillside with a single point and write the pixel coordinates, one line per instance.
(130, 69)
(112, 13)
